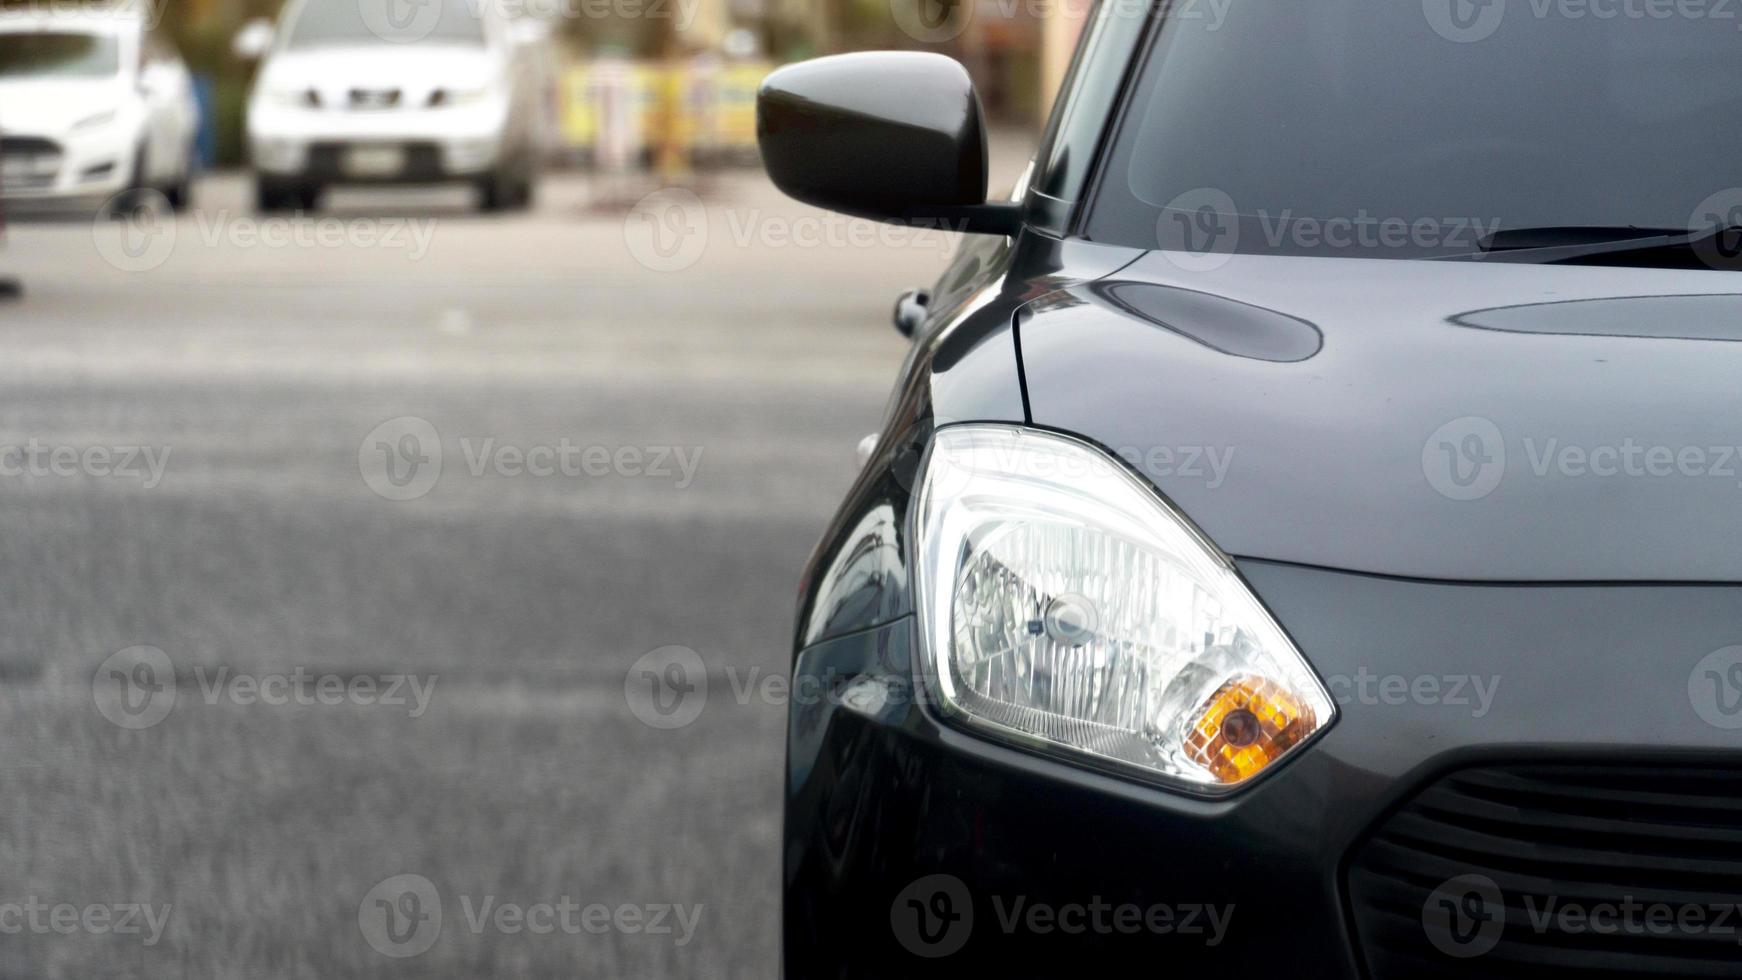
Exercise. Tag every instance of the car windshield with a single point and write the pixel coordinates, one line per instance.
(59, 54)
(1413, 129)
(324, 23)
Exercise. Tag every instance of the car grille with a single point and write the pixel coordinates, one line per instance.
(28, 146)
(41, 157)
(377, 98)
(1459, 882)
(423, 161)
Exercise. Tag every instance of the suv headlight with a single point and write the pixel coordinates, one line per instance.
(1065, 605)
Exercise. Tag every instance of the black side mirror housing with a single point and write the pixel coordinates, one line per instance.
(894, 136)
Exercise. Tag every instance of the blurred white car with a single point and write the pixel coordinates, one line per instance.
(93, 103)
(390, 92)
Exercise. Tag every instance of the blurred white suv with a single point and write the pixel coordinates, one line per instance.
(93, 103)
(390, 92)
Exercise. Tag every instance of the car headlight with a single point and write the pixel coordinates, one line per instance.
(1065, 605)
(94, 121)
(305, 98)
(458, 96)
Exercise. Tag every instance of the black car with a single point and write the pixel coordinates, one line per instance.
(1306, 537)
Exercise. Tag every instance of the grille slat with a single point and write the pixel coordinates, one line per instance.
(1452, 805)
(1483, 863)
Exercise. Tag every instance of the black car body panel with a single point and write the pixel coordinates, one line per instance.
(964, 367)
(1330, 457)
(882, 795)
(1491, 502)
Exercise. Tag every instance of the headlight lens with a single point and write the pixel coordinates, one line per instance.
(1066, 605)
(458, 96)
(306, 98)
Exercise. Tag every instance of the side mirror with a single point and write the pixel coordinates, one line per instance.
(890, 135)
(253, 40)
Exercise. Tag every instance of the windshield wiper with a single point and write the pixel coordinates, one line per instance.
(1573, 243)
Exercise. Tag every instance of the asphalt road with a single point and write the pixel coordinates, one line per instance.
(402, 493)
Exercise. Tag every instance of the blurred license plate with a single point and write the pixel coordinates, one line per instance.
(374, 161)
(23, 168)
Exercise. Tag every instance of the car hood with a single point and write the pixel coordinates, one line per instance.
(415, 70)
(50, 106)
(1439, 420)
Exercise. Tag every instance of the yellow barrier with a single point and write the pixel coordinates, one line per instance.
(711, 112)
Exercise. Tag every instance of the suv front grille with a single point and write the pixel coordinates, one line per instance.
(1497, 873)
(28, 146)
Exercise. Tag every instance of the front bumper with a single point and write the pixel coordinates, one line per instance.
(433, 145)
(56, 168)
(913, 848)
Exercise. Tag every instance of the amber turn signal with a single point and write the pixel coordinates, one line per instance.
(1246, 725)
